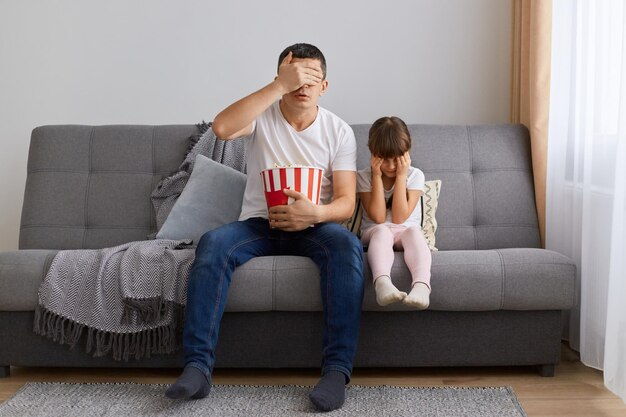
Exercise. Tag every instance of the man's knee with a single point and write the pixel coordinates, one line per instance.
(216, 239)
(347, 244)
(207, 241)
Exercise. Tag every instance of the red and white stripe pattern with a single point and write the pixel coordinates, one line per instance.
(306, 180)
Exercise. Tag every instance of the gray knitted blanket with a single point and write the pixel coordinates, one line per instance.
(129, 299)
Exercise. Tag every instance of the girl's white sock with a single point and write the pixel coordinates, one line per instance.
(386, 292)
(419, 297)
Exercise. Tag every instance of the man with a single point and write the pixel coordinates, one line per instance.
(287, 127)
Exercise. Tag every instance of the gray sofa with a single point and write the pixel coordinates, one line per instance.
(497, 297)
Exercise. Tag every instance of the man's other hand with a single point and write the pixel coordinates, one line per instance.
(296, 216)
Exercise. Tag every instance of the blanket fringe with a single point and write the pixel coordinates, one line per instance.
(121, 346)
(146, 310)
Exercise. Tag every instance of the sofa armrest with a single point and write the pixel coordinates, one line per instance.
(21, 273)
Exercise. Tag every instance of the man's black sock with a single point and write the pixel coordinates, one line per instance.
(330, 392)
(191, 384)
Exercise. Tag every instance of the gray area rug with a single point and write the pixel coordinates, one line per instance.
(129, 399)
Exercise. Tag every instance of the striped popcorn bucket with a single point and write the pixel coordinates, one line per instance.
(306, 180)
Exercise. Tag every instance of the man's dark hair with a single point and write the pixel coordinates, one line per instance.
(302, 51)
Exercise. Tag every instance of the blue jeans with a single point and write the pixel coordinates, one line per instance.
(338, 254)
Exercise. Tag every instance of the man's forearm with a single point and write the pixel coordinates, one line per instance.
(243, 112)
(338, 210)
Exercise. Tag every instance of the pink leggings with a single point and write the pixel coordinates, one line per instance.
(382, 240)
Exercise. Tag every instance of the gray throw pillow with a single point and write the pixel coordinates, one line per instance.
(211, 198)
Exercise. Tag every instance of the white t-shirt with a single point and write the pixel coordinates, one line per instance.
(414, 181)
(328, 143)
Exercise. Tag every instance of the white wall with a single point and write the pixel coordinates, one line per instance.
(162, 62)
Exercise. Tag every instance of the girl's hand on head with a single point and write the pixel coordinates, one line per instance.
(403, 162)
(376, 163)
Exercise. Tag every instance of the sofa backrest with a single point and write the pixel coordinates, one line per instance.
(89, 186)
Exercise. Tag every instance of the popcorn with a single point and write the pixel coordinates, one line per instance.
(306, 180)
(286, 166)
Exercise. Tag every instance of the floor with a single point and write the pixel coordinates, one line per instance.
(575, 390)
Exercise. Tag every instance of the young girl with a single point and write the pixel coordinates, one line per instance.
(390, 190)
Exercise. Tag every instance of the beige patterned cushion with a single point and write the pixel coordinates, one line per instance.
(428, 203)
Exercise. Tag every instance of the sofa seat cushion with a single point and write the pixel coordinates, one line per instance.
(499, 279)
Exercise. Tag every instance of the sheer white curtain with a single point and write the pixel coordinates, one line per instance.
(586, 180)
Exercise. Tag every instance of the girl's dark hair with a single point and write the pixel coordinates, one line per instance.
(389, 137)
(302, 51)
